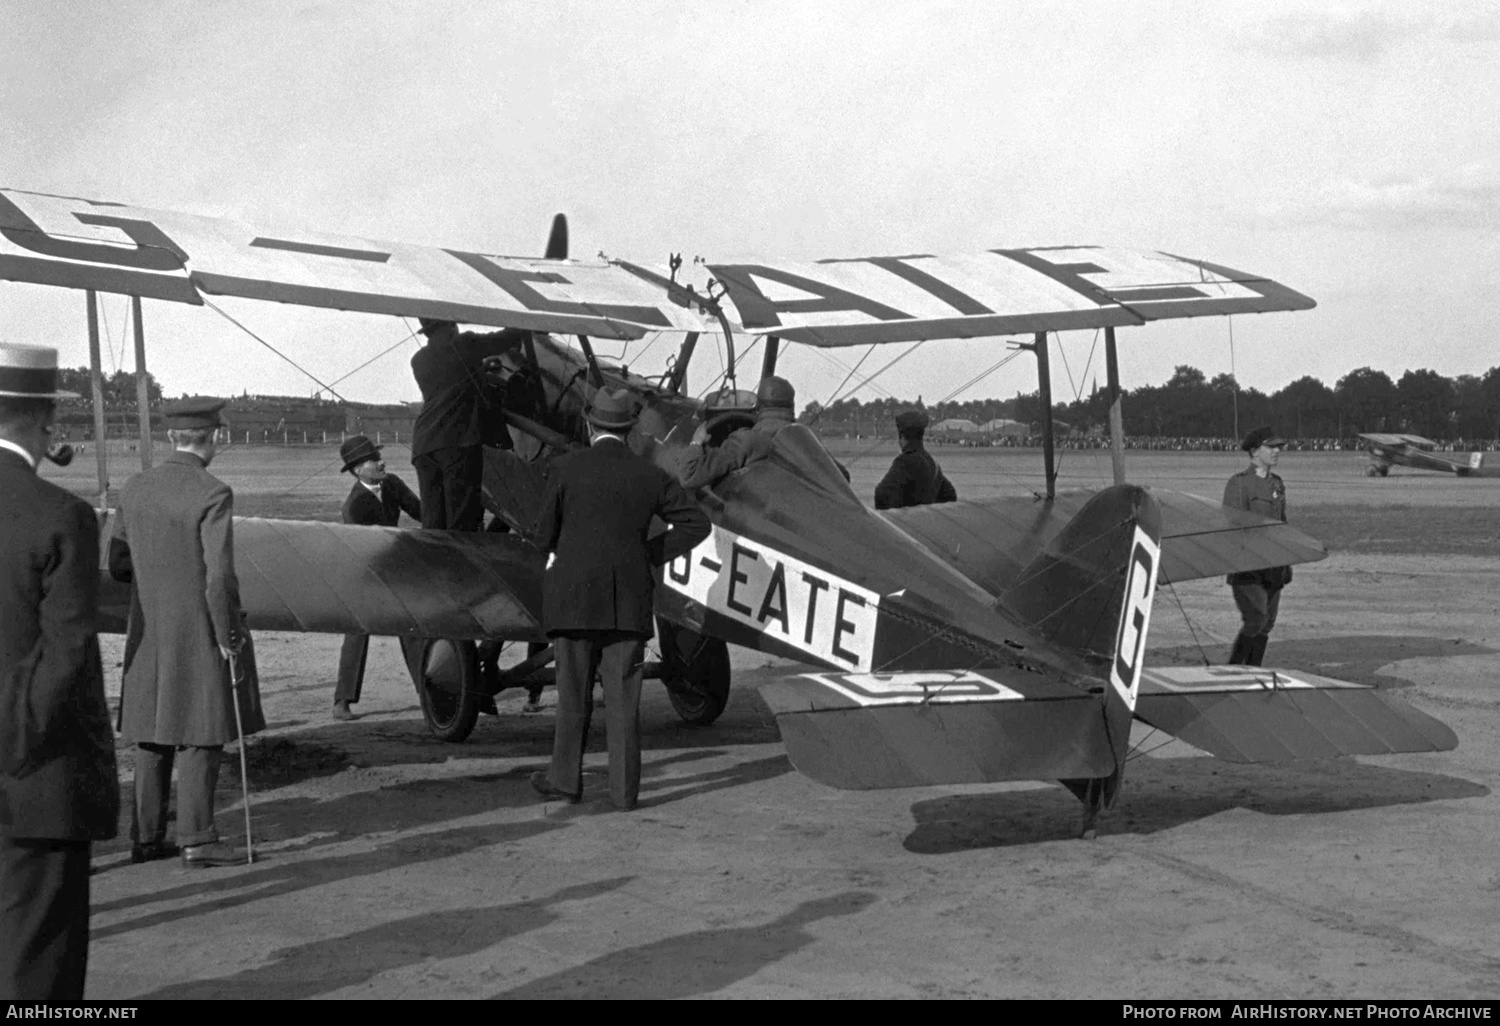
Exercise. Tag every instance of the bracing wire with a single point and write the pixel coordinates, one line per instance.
(315, 379)
(377, 356)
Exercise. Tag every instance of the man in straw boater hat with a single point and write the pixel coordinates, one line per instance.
(595, 518)
(377, 499)
(175, 541)
(1257, 593)
(58, 790)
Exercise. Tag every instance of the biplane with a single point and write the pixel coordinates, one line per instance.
(1402, 450)
(987, 640)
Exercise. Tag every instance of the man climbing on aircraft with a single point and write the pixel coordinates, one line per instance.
(914, 479)
(775, 408)
(1257, 592)
(459, 416)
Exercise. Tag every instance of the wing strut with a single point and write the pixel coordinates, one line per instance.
(1116, 419)
(96, 380)
(1044, 393)
(142, 391)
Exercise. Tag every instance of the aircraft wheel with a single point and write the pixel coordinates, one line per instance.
(695, 670)
(1372, 472)
(446, 674)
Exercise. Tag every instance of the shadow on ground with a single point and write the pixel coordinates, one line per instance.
(1351, 657)
(324, 966)
(1160, 794)
(691, 964)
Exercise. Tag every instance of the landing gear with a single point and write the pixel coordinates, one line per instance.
(695, 670)
(446, 674)
(1096, 793)
(1377, 470)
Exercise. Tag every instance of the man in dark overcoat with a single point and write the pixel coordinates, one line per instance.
(597, 592)
(1257, 593)
(915, 479)
(377, 499)
(176, 523)
(459, 411)
(58, 789)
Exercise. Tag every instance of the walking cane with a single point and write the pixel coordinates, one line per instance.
(235, 681)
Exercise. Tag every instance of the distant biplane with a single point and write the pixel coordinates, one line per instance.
(982, 640)
(1415, 451)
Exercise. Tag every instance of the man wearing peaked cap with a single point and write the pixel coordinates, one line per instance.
(596, 517)
(175, 542)
(775, 408)
(377, 498)
(58, 791)
(1257, 593)
(914, 479)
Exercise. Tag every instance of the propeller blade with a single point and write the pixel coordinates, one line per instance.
(557, 242)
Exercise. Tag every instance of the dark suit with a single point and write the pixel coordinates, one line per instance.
(596, 515)
(364, 507)
(176, 519)
(58, 789)
(447, 439)
(914, 479)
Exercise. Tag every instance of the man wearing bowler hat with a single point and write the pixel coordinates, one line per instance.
(460, 412)
(595, 518)
(377, 499)
(1257, 593)
(58, 791)
(175, 543)
(915, 479)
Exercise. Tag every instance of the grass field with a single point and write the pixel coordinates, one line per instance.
(1329, 496)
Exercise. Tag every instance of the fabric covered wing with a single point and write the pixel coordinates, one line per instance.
(864, 731)
(300, 575)
(82, 244)
(997, 292)
(991, 540)
(1254, 714)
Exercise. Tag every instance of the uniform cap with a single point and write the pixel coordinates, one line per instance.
(1259, 437)
(427, 325)
(911, 422)
(356, 450)
(29, 372)
(775, 393)
(195, 413)
(613, 410)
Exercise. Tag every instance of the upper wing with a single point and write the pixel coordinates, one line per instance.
(998, 292)
(990, 541)
(82, 244)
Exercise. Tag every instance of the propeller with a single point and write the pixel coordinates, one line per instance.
(557, 241)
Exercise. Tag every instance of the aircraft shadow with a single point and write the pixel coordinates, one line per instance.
(321, 967)
(1351, 657)
(1160, 794)
(691, 964)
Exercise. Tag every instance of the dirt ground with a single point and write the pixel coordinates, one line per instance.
(396, 866)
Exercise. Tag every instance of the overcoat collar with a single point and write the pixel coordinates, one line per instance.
(187, 459)
(10, 458)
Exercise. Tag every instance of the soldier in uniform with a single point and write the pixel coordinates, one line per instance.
(1257, 593)
(914, 479)
(377, 498)
(58, 791)
(447, 446)
(595, 517)
(775, 408)
(175, 543)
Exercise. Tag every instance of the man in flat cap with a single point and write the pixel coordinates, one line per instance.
(58, 791)
(596, 516)
(775, 408)
(460, 410)
(914, 479)
(175, 543)
(378, 499)
(1257, 593)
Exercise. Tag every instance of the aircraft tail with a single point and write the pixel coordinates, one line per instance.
(1090, 591)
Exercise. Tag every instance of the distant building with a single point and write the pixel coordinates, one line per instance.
(955, 425)
(1005, 427)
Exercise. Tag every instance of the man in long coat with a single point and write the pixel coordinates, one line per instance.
(448, 438)
(597, 594)
(58, 790)
(377, 499)
(176, 702)
(915, 479)
(1257, 593)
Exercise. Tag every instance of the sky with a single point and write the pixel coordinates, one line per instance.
(1349, 151)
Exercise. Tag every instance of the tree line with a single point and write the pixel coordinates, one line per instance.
(1191, 405)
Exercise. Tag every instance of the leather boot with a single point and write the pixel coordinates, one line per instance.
(1239, 655)
(1257, 651)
